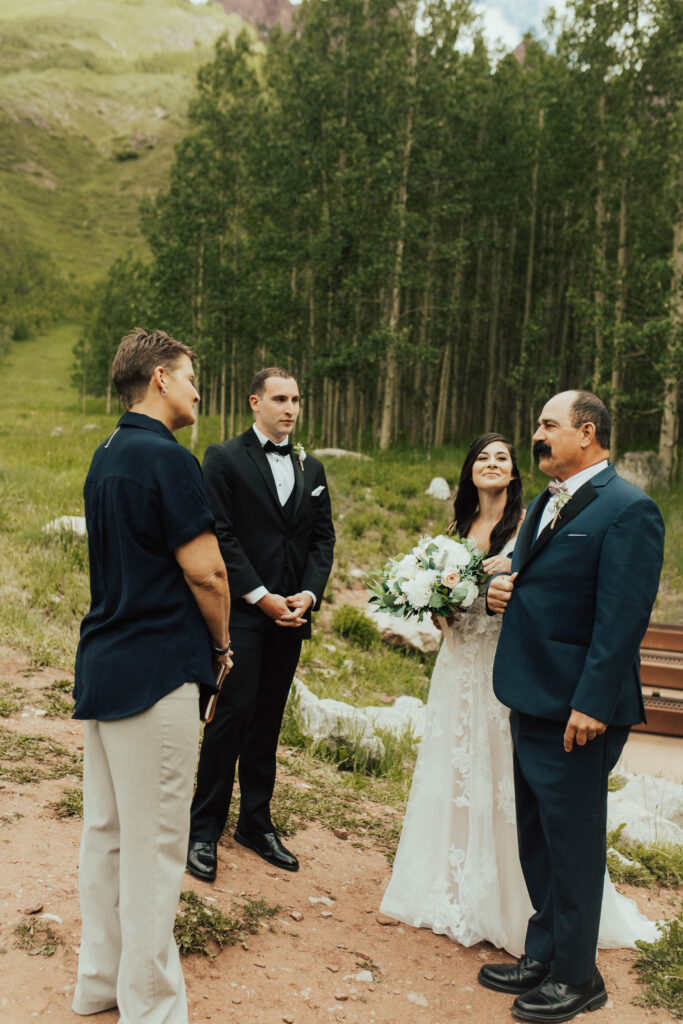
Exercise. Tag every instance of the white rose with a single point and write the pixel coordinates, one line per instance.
(458, 557)
(471, 596)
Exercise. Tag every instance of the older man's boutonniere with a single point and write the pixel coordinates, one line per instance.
(300, 452)
(559, 496)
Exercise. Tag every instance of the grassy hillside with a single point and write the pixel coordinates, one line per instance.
(93, 96)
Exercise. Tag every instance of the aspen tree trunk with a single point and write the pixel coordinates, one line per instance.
(599, 294)
(617, 379)
(448, 354)
(669, 426)
(470, 411)
(233, 388)
(107, 406)
(528, 291)
(492, 362)
(391, 367)
(311, 397)
(198, 300)
(224, 396)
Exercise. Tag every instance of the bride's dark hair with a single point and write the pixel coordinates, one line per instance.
(466, 503)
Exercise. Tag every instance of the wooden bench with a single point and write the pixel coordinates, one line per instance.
(661, 671)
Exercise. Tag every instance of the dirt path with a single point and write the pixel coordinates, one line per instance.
(327, 956)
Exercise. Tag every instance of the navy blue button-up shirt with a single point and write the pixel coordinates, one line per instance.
(144, 635)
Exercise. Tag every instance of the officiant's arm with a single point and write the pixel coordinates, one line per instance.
(321, 544)
(628, 577)
(205, 574)
(219, 492)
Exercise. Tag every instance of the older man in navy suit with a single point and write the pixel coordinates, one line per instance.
(584, 577)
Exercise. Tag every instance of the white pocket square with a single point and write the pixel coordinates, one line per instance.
(317, 491)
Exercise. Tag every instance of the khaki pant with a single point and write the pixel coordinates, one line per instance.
(137, 786)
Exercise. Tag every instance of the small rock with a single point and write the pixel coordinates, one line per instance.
(333, 967)
(237, 1000)
(326, 913)
(340, 833)
(341, 997)
(365, 976)
(417, 998)
(358, 574)
(330, 647)
(429, 976)
(296, 915)
(386, 922)
(288, 1020)
(56, 431)
(51, 917)
(33, 910)
(321, 899)
(257, 963)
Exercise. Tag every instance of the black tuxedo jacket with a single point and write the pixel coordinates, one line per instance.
(261, 544)
(571, 633)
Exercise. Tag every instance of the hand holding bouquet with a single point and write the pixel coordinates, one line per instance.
(439, 575)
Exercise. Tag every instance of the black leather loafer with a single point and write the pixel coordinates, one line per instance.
(523, 976)
(270, 848)
(553, 1001)
(202, 860)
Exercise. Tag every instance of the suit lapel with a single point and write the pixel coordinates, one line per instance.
(298, 484)
(530, 525)
(260, 460)
(576, 504)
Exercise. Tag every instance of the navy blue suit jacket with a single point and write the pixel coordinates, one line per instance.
(571, 633)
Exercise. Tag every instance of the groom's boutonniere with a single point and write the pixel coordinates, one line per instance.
(300, 452)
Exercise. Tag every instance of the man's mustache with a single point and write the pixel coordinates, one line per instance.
(541, 448)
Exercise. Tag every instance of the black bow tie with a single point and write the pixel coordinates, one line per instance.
(279, 449)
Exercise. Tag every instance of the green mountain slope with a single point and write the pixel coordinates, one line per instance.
(93, 96)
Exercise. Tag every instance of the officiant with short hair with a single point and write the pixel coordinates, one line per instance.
(274, 523)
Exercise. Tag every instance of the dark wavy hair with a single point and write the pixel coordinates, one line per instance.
(466, 503)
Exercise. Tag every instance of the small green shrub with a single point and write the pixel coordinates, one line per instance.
(36, 936)
(70, 804)
(57, 701)
(353, 624)
(655, 864)
(661, 967)
(205, 930)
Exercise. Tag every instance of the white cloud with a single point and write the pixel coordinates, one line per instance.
(497, 27)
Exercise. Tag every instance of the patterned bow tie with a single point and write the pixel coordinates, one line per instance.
(279, 449)
(557, 488)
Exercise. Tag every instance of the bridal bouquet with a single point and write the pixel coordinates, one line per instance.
(439, 575)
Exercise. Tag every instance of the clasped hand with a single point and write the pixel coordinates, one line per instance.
(286, 611)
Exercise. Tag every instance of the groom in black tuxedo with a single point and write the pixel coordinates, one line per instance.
(274, 525)
(585, 573)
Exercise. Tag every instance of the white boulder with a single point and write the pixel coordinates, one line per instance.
(439, 488)
(643, 823)
(333, 453)
(406, 714)
(325, 719)
(76, 524)
(642, 469)
(421, 636)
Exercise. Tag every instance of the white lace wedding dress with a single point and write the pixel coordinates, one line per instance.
(457, 869)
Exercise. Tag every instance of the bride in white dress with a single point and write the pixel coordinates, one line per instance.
(457, 868)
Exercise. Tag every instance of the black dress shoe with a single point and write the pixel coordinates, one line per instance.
(553, 1001)
(201, 860)
(270, 848)
(523, 976)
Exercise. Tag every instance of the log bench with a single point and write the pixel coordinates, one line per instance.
(661, 671)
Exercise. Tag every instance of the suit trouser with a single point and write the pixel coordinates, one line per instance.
(561, 803)
(246, 725)
(137, 786)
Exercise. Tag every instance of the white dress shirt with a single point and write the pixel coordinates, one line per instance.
(572, 484)
(282, 468)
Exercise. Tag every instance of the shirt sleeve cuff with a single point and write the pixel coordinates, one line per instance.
(254, 596)
(315, 599)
